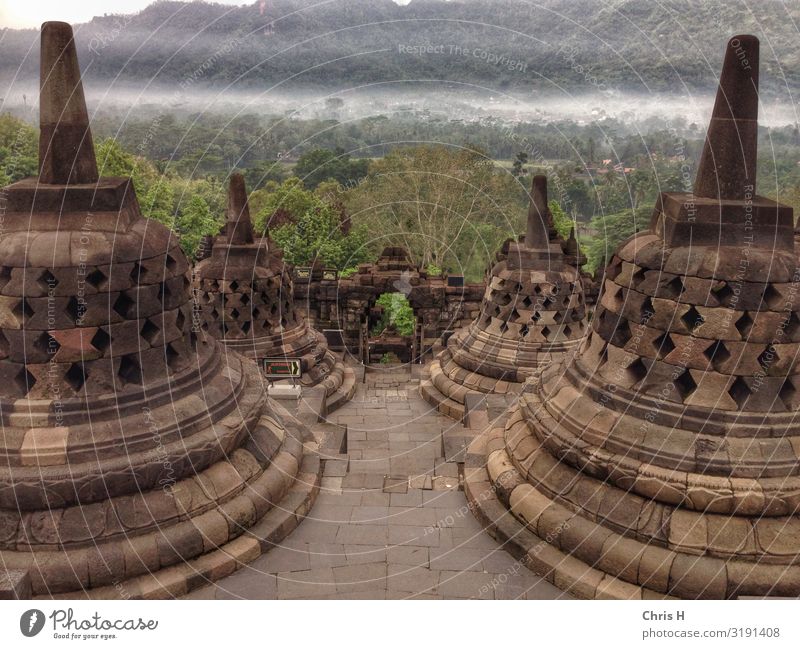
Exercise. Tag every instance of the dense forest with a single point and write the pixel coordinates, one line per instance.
(451, 201)
(625, 45)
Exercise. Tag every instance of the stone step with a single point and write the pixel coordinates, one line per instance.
(443, 404)
(15, 584)
(343, 393)
(498, 406)
(455, 442)
(542, 558)
(180, 579)
(311, 407)
(476, 414)
(332, 439)
(336, 466)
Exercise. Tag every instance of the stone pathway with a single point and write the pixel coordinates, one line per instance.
(391, 525)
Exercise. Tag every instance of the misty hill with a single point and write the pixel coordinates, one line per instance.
(577, 45)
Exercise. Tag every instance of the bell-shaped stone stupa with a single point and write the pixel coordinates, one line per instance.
(532, 315)
(139, 459)
(664, 461)
(246, 295)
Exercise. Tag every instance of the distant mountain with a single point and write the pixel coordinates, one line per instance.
(614, 45)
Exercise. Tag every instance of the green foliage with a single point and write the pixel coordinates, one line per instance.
(287, 201)
(113, 160)
(159, 203)
(518, 167)
(319, 165)
(195, 222)
(433, 270)
(182, 205)
(562, 222)
(397, 312)
(313, 232)
(348, 272)
(316, 237)
(19, 150)
(262, 172)
(611, 231)
(448, 206)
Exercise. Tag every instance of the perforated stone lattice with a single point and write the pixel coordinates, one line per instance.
(239, 309)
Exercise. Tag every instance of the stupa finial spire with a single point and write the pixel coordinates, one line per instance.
(66, 150)
(539, 218)
(239, 225)
(727, 168)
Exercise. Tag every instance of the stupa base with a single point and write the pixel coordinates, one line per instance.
(541, 505)
(485, 495)
(448, 385)
(180, 557)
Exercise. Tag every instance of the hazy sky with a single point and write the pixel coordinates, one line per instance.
(32, 13)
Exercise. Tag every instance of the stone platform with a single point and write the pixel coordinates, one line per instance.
(391, 521)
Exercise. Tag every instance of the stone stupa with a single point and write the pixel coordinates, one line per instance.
(245, 291)
(664, 461)
(532, 314)
(140, 459)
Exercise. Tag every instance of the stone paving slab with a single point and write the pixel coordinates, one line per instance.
(391, 521)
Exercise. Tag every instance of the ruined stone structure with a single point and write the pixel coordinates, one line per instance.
(532, 315)
(140, 459)
(664, 461)
(246, 295)
(440, 303)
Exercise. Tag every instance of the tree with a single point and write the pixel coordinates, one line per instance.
(397, 313)
(316, 237)
(561, 220)
(448, 207)
(276, 204)
(19, 150)
(194, 223)
(259, 174)
(518, 168)
(321, 164)
(309, 226)
(611, 230)
(159, 203)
